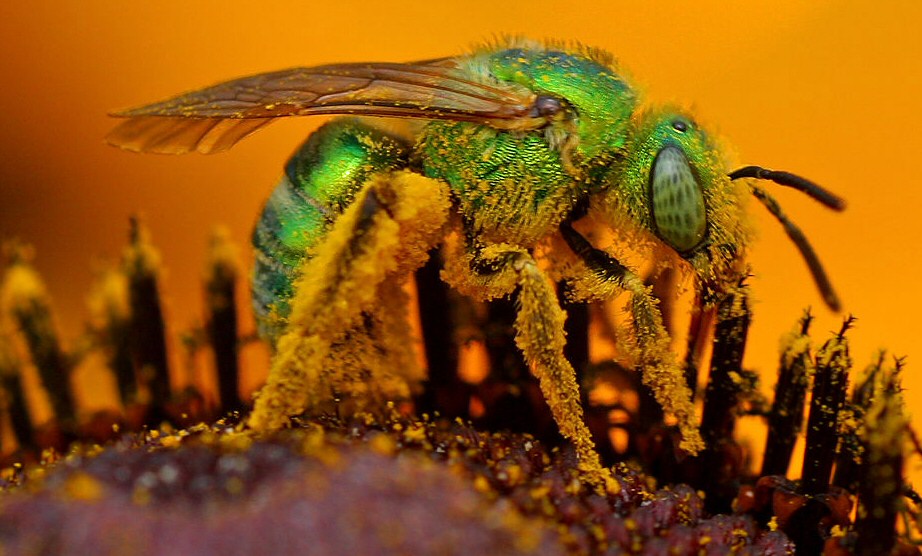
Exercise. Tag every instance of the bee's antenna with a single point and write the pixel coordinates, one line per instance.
(788, 179)
(800, 240)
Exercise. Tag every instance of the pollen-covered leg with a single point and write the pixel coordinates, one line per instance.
(343, 337)
(651, 351)
(540, 335)
(539, 325)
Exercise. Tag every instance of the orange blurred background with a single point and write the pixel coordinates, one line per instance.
(829, 90)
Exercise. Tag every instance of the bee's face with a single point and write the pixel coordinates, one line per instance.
(674, 165)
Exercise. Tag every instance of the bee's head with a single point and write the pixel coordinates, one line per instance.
(674, 156)
(668, 178)
(673, 183)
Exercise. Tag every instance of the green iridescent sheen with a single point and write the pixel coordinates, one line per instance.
(337, 159)
(321, 180)
(653, 132)
(603, 101)
(525, 175)
(292, 223)
(454, 152)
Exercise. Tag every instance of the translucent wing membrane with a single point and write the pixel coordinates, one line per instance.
(176, 135)
(215, 118)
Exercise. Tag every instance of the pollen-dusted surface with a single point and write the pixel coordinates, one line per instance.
(356, 487)
(216, 492)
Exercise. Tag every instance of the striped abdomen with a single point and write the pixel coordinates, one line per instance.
(321, 179)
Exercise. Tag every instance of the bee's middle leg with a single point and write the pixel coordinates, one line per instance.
(346, 333)
(496, 270)
(661, 371)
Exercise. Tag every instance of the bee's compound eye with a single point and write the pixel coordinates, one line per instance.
(680, 125)
(547, 106)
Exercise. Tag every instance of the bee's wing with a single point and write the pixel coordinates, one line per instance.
(216, 118)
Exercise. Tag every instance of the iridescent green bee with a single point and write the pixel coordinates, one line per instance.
(514, 145)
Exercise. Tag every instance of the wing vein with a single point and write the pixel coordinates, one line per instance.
(438, 89)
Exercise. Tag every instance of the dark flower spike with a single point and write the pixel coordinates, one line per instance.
(140, 263)
(11, 383)
(787, 414)
(27, 304)
(881, 489)
(830, 382)
(222, 272)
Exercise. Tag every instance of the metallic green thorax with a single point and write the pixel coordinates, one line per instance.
(516, 186)
(321, 179)
(505, 185)
(602, 101)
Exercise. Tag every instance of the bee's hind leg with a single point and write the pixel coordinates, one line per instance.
(661, 372)
(346, 337)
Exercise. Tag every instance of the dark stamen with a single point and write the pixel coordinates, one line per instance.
(788, 179)
(830, 382)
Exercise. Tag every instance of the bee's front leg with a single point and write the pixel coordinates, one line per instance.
(661, 371)
(346, 337)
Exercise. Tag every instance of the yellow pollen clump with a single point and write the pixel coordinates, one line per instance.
(171, 441)
(21, 288)
(83, 486)
(383, 444)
